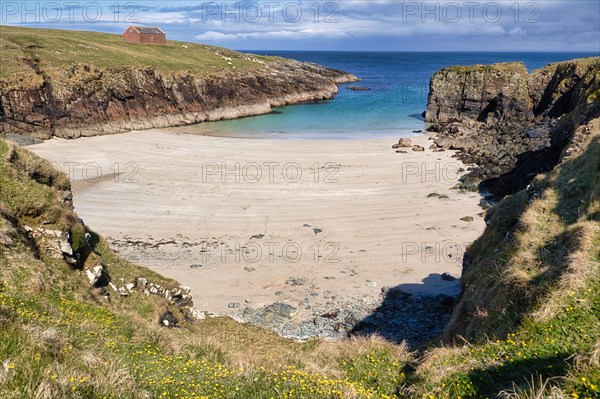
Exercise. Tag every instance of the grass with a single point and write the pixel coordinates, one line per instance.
(59, 50)
(527, 326)
(61, 339)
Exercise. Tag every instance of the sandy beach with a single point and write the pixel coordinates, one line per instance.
(247, 222)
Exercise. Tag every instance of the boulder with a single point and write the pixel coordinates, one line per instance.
(403, 143)
(418, 148)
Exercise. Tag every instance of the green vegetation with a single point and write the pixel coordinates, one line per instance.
(60, 338)
(530, 314)
(22, 48)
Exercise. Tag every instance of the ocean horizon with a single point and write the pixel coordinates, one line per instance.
(398, 84)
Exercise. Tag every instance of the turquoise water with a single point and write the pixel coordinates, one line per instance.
(399, 84)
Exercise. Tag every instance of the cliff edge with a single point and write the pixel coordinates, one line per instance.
(510, 123)
(54, 83)
(535, 138)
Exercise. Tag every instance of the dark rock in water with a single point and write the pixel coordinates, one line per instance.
(448, 277)
(257, 237)
(467, 219)
(417, 131)
(168, 319)
(359, 88)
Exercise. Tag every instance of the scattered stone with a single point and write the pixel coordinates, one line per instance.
(433, 195)
(257, 237)
(168, 319)
(371, 283)
(403, 143)
(417, 131)
(123, 291)
(249, 269)
(443, 197)
(418, 148)
(317, 230)
(401, 152)
(295, 281)
(142, 283)
(197, 314)
(130, 287)
(96, 275)
(467, 219)
(195, 266)
(233, 305)
(485, 204)
(5, 239)
(306, 225)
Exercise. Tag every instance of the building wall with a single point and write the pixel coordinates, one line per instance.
(133, 36)
(153, 39)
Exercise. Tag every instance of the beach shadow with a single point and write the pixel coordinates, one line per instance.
(408, 314)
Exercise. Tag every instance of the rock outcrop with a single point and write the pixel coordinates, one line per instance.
(86, 101)
(506, 121)
(536, 237)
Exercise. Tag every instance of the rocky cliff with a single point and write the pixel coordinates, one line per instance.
(508, 122)
(85, 100)
(541, 243)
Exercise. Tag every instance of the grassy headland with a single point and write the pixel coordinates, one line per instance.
(62, 49)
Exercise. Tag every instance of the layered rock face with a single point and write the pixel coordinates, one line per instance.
(87, 101)
(506, 121)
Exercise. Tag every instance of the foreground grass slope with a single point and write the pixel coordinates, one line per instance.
(62, 339)
(61, 49)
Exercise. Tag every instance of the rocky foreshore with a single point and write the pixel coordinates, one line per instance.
(507, 121)
(395, 315)
(87, 101)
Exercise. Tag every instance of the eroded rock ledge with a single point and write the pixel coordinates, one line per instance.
(89, 101)
(511, 124)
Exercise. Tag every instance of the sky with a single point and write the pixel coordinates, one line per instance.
(344, 25)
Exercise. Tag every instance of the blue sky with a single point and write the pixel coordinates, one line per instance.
(442, 25)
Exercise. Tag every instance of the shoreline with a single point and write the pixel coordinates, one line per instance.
(357, 222)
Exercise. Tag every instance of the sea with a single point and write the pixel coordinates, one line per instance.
(399, 86)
